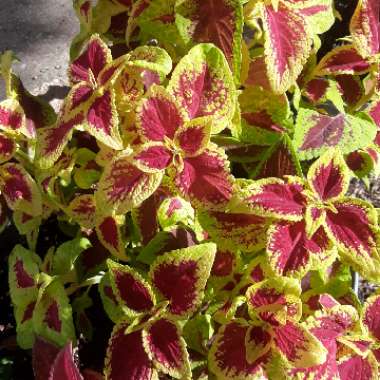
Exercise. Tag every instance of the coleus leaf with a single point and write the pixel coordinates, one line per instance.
(225, 264)
(25, 223)
(153, 157)
(91, 62)
(275, 301)
(352, 225)
(145, 66)
(7, 148)
(132, 28)
(126, 356)
(235, 231)
(123, 186)
(19, 189)
(64, 367)
(364, 27)
(156, 19)
(206, 180)
(287, 44)
(329, 177)
(319, 13)
(82, 210)
(12, 118)
(102, 120)
(263, 115)
(257, 75)
(109, 300)
(159, 115)
(362, 162)
(202, 84)
(194, 136)
(38, 112)
(165, 346)
(278, 161)
(44, 355)
(342, 60)
(175, 210)
(228, 354)
(132, 291)
(109, 234)
(181, 276)
(351, 88)
(24, 329)
(275, 198)
(327, 326)
(315, 133)
(52, 317)
(218, 23)
(145, 216)
(363, 367)
(3, 214)
(53, 140)
(278, 305)
(164, 241)
(371, 317)
(151, 58)
(23, 270)
(298, 346)
(291, 253)
(83, 10)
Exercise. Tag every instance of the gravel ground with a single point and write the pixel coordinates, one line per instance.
(39, 32)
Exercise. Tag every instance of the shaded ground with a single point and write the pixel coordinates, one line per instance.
(39, 32)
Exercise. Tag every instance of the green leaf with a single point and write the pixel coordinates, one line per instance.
(198, 331)
(67, 254)
(110, 303)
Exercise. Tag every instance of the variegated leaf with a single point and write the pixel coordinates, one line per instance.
(352, 225)
(218, 23)
(292, 253)
(19, 189)
(202, 84)
(23, 270)
(329, 176)
(315, 133)
(165, 346)
(235, 231)
(287, 44)
(123, 186)
(7, 148)
(206, 180)
(53, 140)
(52, 317)
(181, 276)
(364, 27)
(109, 233)
(132, 291)
(82, 210)
(126, 356)
(342, 60)
(228, 354)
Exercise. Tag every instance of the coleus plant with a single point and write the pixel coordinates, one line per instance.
(199, 176)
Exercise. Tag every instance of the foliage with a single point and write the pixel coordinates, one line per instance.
(199, 168)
